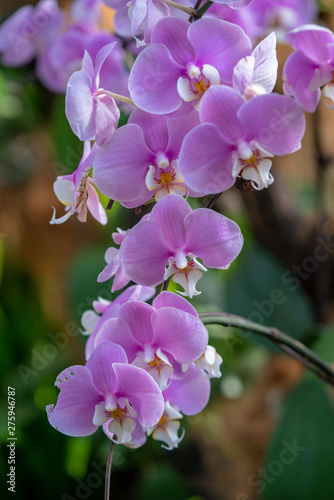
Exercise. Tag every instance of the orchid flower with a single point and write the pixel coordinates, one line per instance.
(92, 115)
(77, 192)
(238, 139)
(183, 61)
(310, 69)
(103, 310)
(175, 236)
(140, 160)
(256, 74)
(107, 389)
(157, 338)
(29, 31)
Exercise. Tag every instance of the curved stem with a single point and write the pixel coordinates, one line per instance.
(189, 10)
(291, 346)
(119, 97)
(196, 7)
(209, 201)
(108, 471)
(200, 12)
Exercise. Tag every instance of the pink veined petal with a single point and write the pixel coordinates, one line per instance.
(16, 48)
(219, 106)
(120, 280)
(74, 411)
(117, 331)
(170, 213)
(106, 118)
(298, 73)
(265, 71)
(138, 15)
(142, 392)
(243, 74)
(137, 202)
(172, 33)
(134, 292)
(313, 41)
(191, 393)
(100, 365)
(154, 128)
(80, 107)
(119, 168)
(213, 238)
(144, 254)
(101, 56)
(95, 207)
(138, 316)
(113, 264)
(179, 333)
(205, 160)
(168, 299)
(156, 10)
(153, 79)
(220, 44)
(276, 122)
(178, 129)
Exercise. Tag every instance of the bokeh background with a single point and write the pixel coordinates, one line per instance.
(264, 403)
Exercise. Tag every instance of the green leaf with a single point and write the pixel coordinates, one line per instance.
(305, 431)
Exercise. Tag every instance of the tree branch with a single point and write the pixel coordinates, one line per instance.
(291, 346)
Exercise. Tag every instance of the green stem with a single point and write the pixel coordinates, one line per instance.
(200, 12)
(291, 346)
(108, 471)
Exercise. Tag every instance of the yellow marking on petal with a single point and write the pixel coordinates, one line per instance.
(251, 160)
(155, 362)
(163, 420)
(118, 413)
(166, 178)
(200, 86)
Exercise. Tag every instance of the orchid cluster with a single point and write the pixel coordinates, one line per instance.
(203, 118)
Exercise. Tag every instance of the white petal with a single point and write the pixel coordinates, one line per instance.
(175, 189)
(89, 320)
(180, 259)
(122, 428)
(151, 182)
(193, 71)
(260, 176)
(161, 193)
(211, 73)
(61, 219)
(100, 415)
(64, 190)
(161, 160)
(168, 434)
(184, 90)
(188, 280)
(328, 91)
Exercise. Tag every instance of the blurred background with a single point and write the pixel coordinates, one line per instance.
(268, 431)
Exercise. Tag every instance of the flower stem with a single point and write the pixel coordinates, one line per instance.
(291, 346)
(209, 201)
(108, 471)
(200, 12)
(196, 6)
(189, 10)
(115, 96)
